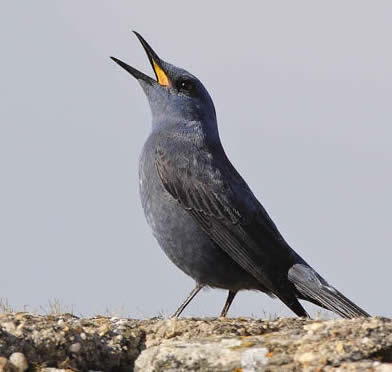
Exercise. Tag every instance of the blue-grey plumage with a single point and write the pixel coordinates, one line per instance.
(202, 213)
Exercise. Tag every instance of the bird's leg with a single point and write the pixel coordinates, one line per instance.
(193, 293)
(230, 298)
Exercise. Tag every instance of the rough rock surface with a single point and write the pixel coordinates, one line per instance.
(65, 342)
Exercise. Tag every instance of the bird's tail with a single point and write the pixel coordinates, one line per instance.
(312, 287)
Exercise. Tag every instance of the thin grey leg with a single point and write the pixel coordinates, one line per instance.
(230, 298)
(194, 292)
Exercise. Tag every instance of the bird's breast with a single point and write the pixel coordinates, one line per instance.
(181, 237)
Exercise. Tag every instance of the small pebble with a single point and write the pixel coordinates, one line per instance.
(340, 347)
(5, 365)
(19, 361)
(9, 327)
(384, 367)
(75, 348)
(307, 357)
(313, 326)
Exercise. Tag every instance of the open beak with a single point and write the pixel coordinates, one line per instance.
(156, 64)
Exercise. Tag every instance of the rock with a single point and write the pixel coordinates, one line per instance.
(385, 367)
(218, 355)
(75, 348)
(306, 358)
(5, 365)
(48, 342)
(66, 343)
(19, 361)
(254, 358)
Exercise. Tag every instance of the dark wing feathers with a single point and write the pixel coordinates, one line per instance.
(224, 206)
(238, 226)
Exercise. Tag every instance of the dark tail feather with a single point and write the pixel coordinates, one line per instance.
(312, 287)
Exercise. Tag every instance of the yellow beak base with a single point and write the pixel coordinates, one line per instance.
(161, 75)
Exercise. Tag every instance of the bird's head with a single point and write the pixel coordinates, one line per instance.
(176, 96)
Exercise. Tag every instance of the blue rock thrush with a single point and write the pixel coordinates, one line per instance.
(202, 212)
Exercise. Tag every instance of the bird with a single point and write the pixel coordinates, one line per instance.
(202, 212)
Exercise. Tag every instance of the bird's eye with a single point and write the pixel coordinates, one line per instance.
(185, 85)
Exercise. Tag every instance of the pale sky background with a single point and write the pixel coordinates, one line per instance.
(303, 96)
